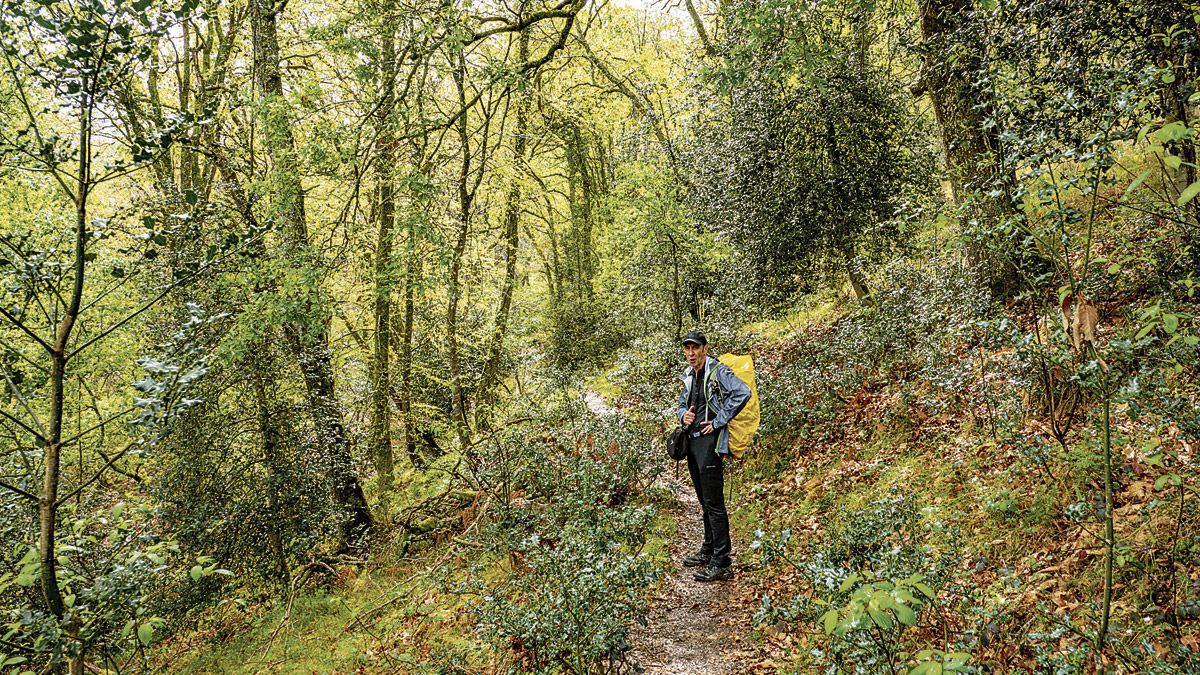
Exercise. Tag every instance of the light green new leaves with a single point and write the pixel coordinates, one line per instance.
(1189, 193)
(884, 603)
(936, 662)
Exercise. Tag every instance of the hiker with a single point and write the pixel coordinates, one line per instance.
(704, 411)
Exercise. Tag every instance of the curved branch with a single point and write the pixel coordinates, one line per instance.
(709, 48)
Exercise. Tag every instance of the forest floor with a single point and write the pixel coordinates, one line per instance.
(694, 628)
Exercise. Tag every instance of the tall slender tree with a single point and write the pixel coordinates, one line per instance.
(306, 329)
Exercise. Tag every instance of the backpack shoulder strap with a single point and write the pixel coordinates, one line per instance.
(710, 375)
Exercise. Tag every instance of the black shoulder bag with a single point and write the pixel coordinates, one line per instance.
(677, 444)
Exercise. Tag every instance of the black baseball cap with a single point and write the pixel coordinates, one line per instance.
(696, 337)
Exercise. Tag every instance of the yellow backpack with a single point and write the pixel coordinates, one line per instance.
(743, 427)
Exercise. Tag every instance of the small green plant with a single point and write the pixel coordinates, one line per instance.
(936, 662)
(882, 605)
(869, 580)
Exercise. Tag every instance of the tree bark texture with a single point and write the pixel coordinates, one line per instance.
(465, 198)
(381, 414)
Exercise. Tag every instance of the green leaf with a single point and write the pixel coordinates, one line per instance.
(1170, 323)
(145, 633)
(1138, 181)
(905, 614)
(829, 621)
(1172, 161)
(29, 574)
(880, 618)
(954, 662)
(848, 583)
(196, 572)
(1189, 193)
(925, 589)
(882, 600)
(12, 661)
(1171, 478)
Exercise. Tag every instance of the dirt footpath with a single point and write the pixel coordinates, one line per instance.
(694, 628)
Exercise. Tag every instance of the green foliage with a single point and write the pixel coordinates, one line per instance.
(815, 158)
(921, 311)
(870, 576)
(661, 271)
(574, 539)
(112, 570)
(881, 605)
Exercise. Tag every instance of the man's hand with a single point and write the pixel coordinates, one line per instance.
(707, 428)
(689, 416)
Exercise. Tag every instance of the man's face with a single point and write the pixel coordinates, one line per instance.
(695, 354)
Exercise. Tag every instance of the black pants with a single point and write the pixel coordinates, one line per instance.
(708, 476)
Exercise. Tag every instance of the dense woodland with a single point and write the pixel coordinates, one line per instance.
(344, 336)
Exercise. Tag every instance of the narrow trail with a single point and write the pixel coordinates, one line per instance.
(693, 627)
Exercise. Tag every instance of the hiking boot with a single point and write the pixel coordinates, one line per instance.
(697, 559)
(714, 573)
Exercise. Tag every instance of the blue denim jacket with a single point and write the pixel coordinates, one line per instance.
(733, 396)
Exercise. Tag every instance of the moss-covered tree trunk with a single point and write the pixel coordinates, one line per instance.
(306, 327)
(973, 153)
(513, 200)
(466, 197)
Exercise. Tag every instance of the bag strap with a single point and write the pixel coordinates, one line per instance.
(710, 374)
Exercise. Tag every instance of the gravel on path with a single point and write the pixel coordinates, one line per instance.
(693, 627)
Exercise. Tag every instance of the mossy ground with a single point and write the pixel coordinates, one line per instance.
(398, 613)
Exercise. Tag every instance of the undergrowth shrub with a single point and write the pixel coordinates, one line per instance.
(569, 536)
(648, 372)
(869, 579)
(923, 312)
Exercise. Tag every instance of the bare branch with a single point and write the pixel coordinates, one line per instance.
(98, 425)
(26, 427)
(96, 476)
(19, 491)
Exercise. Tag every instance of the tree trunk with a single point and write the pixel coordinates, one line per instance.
(52, 443)
(381, 417)
(973, 154)
(512, 220)
(858, 280)
(458, 417)
(272, 459)
(582, 191)
(411, 277)
(307, 334)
